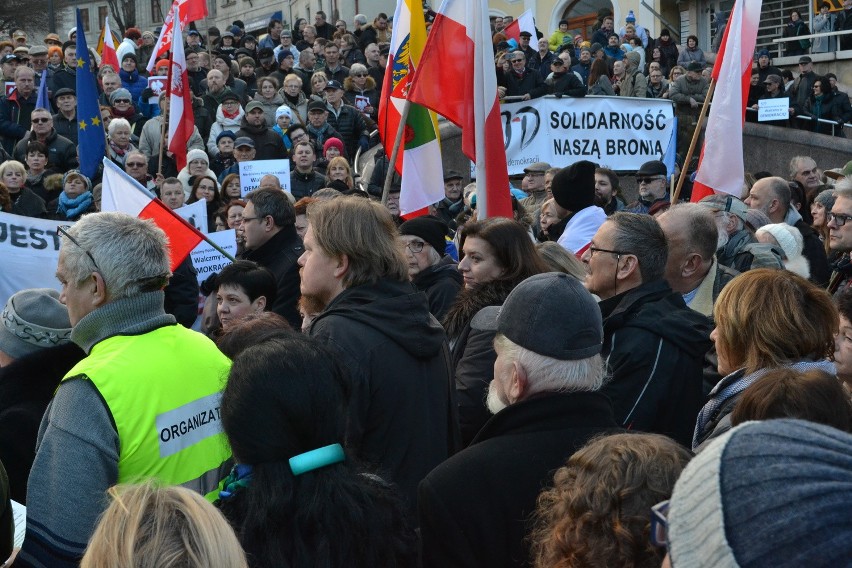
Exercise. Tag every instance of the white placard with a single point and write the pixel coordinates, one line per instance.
(156, 83)
(29, 248)
(616, 132)
(195, 214)
(773, 109)
(252, 172)
(208, 260)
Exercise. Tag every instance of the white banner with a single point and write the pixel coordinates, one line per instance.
(195, 214)
(252, 172)
(29, 249)
(208, 260)
(615, 132)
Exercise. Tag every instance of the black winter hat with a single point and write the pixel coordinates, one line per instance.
(574, 187)
(429, 229)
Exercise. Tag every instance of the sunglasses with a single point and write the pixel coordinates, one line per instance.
(359, 75)
(119, 101)
(40, 120)
(135, 164)
(647, 179)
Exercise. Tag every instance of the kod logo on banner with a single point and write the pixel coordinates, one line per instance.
(619, 133)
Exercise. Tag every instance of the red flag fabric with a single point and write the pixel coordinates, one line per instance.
(123, 193)
(107, 51)
(523, 23)
(721, 168)
(181, 118)
(190, 10)
(466, 94)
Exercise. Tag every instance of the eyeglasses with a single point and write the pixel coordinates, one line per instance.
(593, 250)
(647, 179)
(359, 75)
(518, 60)
(838, 218)
(40, 120)
(63, 230)
(660, 524)
(120, 101)
(135, 164)
(247, 219)
(415, 246)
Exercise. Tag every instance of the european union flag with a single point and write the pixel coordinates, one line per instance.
(90, 129)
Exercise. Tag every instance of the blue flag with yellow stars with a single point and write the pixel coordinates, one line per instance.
(90, 130)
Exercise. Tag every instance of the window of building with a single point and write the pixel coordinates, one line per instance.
(84, 16)
(103, 12)
(156, 11)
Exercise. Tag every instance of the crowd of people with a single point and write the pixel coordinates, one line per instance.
(597, 381)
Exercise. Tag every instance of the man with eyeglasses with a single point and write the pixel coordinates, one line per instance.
(61, 152)
(653, 343)
(520, 81)
(657, 85)
(840, 238)
(772, 195)
(803, 87)
(286, 45)
(533, 185)
(653, 186)
(271, 240)
(143, 403)
(16, 109)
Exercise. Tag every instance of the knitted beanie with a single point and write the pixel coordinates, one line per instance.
(196, 154)
(573, 187)
(31, 320)
(826, 198)
(333, 143)
(788, 238)
(770, 493)
(430, 229)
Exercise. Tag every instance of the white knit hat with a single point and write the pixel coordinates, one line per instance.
(788, 238)
(196, 154)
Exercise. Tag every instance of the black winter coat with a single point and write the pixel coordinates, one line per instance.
(441, 284)
(61, 152)
(26, 387)
(402, 411)
(475, 507)
(349, 122)
(279, 255)
(304, 185)
(530, 82)
(814, 251)
(566, 84)
(654, 347)
(473, 353)
(268, 143)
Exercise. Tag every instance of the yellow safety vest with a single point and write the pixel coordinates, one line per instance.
(162, 390)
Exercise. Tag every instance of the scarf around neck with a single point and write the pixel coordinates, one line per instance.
(73, 208)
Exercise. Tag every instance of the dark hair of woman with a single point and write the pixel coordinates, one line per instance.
(599, 69)
(285, 396)
(512, 246)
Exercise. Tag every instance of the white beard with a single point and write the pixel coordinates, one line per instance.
(494, 402)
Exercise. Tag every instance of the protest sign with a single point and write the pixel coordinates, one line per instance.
(195, 214)
(773, 109)
(252, 172)
(29, 248)
(207, 260)
(156, 83)
(616, 132)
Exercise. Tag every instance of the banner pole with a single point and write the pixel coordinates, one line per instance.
(685, 169)
(403, 118)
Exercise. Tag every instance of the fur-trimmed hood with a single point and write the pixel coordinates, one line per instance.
(470, 301)
(349, 85)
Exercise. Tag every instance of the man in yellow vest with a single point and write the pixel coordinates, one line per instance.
(143, 404)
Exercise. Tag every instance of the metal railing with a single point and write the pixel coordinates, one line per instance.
(807, 119)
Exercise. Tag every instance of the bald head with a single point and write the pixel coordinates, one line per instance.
(692, 235)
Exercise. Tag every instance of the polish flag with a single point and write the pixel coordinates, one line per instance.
(523, 23)
(122, 193)
(108, 56)
(457, 79)
(181, 119)
(191, 10)
(721, 168)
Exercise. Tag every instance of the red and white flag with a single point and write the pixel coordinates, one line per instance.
(108, 56)
(181, 119)
(721, 168)
(523, 23)
(457, 79)
(124, 194)
(190, 11)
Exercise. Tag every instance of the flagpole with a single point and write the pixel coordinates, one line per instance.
(403, 118)
(685, 168)
(162, 141)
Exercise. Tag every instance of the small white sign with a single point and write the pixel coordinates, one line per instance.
(207, 260)
(252, 172)
(195, 214)
(156, 83)
(773, 109)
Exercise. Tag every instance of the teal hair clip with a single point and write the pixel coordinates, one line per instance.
(315, 459)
